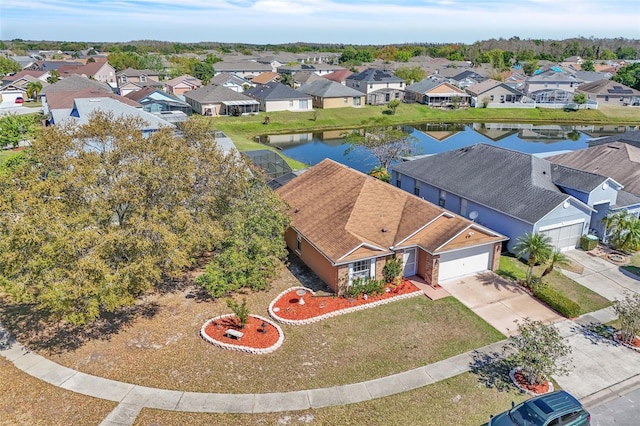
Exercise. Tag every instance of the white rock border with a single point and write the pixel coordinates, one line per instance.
(618, 340)
(278, 318)
(240, 348)
(512, 376)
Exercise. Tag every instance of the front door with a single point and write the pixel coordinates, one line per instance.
(409, 260)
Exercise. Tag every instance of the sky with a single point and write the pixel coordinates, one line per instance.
(316, 21)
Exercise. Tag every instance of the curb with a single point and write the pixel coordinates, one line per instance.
(612, 392)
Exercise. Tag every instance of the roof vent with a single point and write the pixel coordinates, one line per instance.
(296, 210)
(384, 229)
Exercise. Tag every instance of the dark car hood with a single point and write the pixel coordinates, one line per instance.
(501, 419)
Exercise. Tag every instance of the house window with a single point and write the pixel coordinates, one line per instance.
(143, 78)
(463, 207)
(356, 101)
(371, 86)
(416, 187)
(123, 79)
(401, 84)
(397, 95)
(291, 104)
(398, 180)
(606, 99)
(491, 97)
(298, 243)
(361, 269)
(346, 100)
(442, 198)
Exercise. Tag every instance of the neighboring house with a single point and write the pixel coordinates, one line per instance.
(73, 83)
(591, 76)
(490, 92)
(550, 80)
(18, 88)
(130, 80)
(28, 75)
(304, 77)
(608, 92)
(99, 71)
(380, 86)
(511, 192)
(466, 78)
(243, 69)
(180, 85)
(618, 160)
(339, 76)
(59, 104)
(551, 96)
(437, 94)
(83, 108)
(346, 225)
(514, 79)
(329, 94)
(218, 100)
(276, 96)
(232, 82)
(154, 100)
(265, 77)
(319, 69)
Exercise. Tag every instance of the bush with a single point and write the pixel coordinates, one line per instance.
(558, 302)
(392, 269)
(366, 286)
(240, 310)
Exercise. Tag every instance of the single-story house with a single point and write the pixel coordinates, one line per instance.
(609, 92)
(492, 92)
(329, 94)
(276, 96)
(509, 191)
(154, 100)
(437, 94)
(346, 224)
(215, 100)
(60, 104)
(231, 81)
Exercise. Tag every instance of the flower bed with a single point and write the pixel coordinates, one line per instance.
(635, 345)
(286, 308)
(252, 341)
(523, 384)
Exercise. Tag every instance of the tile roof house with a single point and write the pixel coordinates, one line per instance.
(380, 86)
(179, 85)
(215, 100)
(618, 160)
(608, 92)
(276, 96)
(510, 191)
(436, 94)
(329, 94)
(346, 225)
(491, 92)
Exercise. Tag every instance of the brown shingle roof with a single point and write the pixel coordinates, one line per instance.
(265, 77)
(60, 100)
(348, 215)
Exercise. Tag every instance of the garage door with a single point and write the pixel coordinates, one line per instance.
(564, 237)
(464, 262)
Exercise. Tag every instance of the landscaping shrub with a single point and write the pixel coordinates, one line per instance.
(366, 286)
(392, 270)
(558, 302)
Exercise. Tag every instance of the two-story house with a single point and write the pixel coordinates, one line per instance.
(380, 86)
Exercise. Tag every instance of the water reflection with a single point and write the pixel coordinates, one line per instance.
(311, 148)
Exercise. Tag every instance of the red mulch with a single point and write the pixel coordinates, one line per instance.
(535, 388)
(252, 337)
(635, 343)
(314, 306)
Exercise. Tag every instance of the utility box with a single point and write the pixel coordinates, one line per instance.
(588, 242)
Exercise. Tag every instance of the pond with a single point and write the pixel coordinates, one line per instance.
(432, 138)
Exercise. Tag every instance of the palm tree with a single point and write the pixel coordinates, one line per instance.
(287, 79)
(33, 89)
(625, 230)
(536, 248)
(556, 259)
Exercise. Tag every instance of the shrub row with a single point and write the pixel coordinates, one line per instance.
(556, 301)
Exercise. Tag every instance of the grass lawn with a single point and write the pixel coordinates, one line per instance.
(634, 264)
(158, 345)
(459, 401)
(25, 400)
(589, 301)
(6, 154)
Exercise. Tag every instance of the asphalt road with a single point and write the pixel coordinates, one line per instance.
(622, 411)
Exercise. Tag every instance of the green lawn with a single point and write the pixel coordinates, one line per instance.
(589, 301)
(461, 400)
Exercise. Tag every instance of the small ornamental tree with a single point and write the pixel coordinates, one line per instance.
(240, 310)
(393, 105)
(628, 311)
(540, 351)
(392, 270)
(536, 248)
(580, 99)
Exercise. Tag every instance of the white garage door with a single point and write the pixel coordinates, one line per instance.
(564, 237)
(464, 262)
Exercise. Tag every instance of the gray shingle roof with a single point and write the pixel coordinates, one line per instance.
(577, 179)
(626, 199)
(515, 183)
(328, 89)
(632, 138)
(275, 91)
(214, 93)
(73, 83)
(375, 75)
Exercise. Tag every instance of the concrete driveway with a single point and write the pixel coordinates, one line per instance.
(498, 301)
(602, 276)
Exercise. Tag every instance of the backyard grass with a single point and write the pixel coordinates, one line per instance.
(158, 344)
(25, 400)
(589, 301)
(461, 400)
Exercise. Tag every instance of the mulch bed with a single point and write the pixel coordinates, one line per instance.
(287, 306)
(251, 338)
(536, 389)
(635, 344)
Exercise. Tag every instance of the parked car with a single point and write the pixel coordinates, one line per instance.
(552, 409)
(19, 100)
